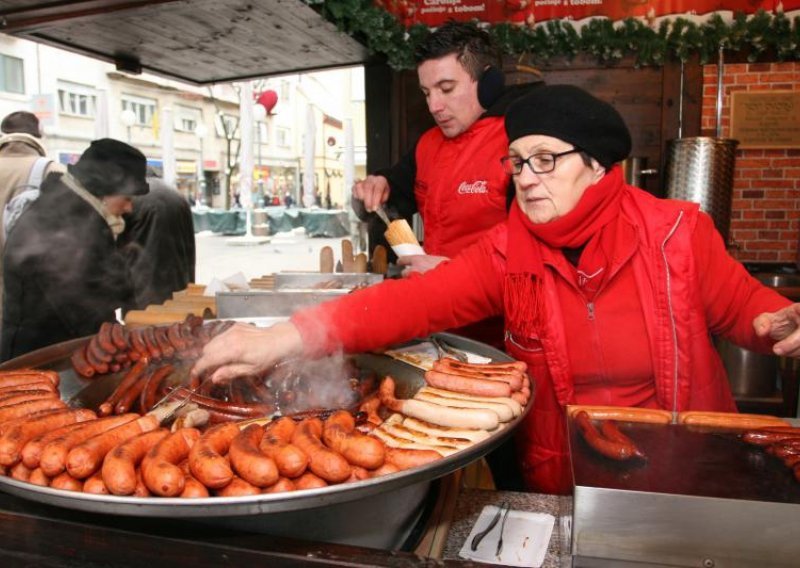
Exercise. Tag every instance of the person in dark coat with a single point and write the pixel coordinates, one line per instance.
(158, 243)
(64, 274)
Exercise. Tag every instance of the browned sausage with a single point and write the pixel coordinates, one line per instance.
(160, 471)
(25, 376)
(119, 465)
(66, 482)
(248, 461)
(193, 489)
(32, 450)
(339, 433)
(611, 431)
(22, 409)
(611, 449)
(309, 481)
(37, 477)
(15, 397)
(149, 337)
(243, 410)
(237, 488)
(290, 460)
(467, 385)
(119, 336)
(81, 364)
(87, 457)
(280, 486)
(94, 484)
(104, 339)
(407, 458)
(13, 439)
(325, 463)
(20, 472)
(54, 454)
(206, 460)
(149, 394)
(131, 377)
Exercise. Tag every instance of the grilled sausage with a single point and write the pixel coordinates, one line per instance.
(339, 434)
(14, 439)
(54, 454)
(22, 409)
(290, 460)
(325, 463)
(131, 377)
(87, 457)
(160, 471)
(248, 461)
(119, 465)
(611, 449)
(467, 385)
(206, 460)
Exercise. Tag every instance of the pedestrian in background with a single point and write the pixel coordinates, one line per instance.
(23, 163)
(158, 244)
(64, 274)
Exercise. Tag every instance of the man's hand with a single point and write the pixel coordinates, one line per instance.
(782, 326)
(373, 191)
(246, 350)
(419, 262)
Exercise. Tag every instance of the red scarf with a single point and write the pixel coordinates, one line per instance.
(524, 301)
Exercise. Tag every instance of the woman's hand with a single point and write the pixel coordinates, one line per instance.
(247, 350)
(782, 326)
(419, 262)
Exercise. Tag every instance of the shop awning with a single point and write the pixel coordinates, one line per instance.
(198, 41)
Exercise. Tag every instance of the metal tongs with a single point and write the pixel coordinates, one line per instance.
(381, 212)
(502, 511)
(446, 350)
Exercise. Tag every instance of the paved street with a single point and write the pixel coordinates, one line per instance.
(218, 256)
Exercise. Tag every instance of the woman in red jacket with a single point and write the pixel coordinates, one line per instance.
(610, 294)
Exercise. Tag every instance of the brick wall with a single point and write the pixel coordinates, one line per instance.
(765, 213)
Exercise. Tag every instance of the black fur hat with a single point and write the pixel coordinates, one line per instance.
(572, 115)
(111, 167)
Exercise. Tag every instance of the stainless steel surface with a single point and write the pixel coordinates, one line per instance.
(306, 280)
(265, 303)
(700, 169)
(776, 280)
(445, 350)
(749, 373)
(476, 540)
(381, 212)
(83, 392)
(703, 498)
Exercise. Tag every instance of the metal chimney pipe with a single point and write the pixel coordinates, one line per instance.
(720, 90)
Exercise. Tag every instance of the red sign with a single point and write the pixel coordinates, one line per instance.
(436, 12)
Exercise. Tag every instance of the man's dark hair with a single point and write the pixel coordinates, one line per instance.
(473, 47)
(21, 122)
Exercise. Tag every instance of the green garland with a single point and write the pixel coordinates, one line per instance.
(607, 41)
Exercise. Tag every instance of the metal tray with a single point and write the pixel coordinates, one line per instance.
(260, 303)
(308, 280)
(78, 391)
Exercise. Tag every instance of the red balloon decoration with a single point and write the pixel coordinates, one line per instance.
(268, 99)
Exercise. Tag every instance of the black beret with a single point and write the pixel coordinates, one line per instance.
(572, 115)
(107, 164)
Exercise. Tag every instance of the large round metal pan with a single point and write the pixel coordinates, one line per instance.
(81, 392)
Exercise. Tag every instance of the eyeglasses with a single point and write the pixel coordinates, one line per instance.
(542, 163)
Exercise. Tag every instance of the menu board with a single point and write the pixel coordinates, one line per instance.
(766, 119)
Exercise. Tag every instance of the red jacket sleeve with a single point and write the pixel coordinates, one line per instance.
(732, 298)
(463, 290)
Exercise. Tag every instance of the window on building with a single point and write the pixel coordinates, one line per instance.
(12, 76)
(286, 91)
(76, 100)
(282, 137)
(143, 108)
(187, 118)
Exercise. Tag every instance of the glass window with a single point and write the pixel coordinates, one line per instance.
(187, 118)
(12, 77)
(286, 92)
(77, 100)
(282, 137)
(143, 108)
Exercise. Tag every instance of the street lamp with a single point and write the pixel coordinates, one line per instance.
(259, 114)
(200, 131)
(128, 118)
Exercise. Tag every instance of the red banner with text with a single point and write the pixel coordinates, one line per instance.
(436, 12)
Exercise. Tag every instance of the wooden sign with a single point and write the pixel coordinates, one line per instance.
(766, 119)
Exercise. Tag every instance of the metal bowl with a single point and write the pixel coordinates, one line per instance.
(78, 391)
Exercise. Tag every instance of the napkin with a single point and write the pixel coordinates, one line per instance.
(525, 538)
(424, 354)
